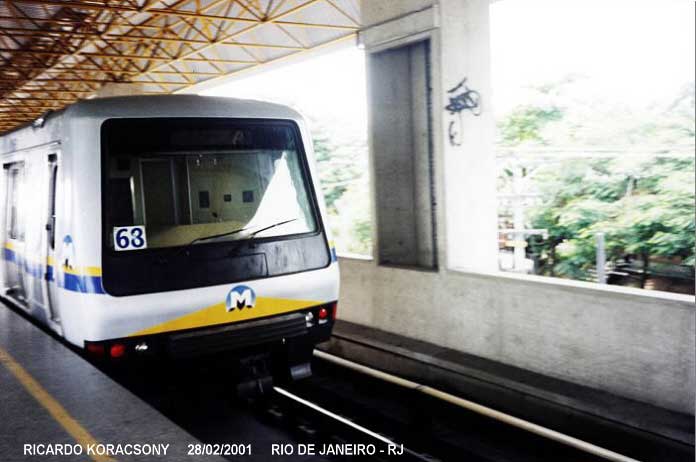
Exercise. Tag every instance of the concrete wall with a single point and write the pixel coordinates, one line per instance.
(377, 11)
(624, 341)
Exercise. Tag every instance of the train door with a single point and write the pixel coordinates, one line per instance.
(48, 279)
(14, 232)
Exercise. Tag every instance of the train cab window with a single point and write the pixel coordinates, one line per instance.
(189, 180)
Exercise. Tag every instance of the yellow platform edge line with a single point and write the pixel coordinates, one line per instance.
(57, 411)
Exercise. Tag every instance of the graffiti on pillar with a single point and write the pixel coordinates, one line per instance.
(461, 98)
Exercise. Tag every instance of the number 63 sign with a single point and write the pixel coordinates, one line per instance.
(130, 238)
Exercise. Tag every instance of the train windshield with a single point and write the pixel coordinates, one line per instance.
(174, 182)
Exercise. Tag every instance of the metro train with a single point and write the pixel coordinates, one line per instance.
(174, 225)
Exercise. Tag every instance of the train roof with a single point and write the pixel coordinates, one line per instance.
(168, 106)
(141, 106)
(179, 106)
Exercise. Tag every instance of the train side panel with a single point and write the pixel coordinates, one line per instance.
(30, 157)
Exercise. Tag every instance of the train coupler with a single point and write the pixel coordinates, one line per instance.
(255, 378)
(301, 371)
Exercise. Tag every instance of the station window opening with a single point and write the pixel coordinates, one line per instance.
(330, 92)
(595, 140)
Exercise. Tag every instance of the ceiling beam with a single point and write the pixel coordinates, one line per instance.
(164, 45)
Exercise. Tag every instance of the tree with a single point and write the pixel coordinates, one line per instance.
(335, 169)
(343, 174)
(646, 216)
(643, 204)
(525, 124)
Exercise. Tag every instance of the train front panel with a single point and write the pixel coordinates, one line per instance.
(193, 235)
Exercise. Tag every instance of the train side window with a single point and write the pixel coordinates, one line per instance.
(15, 179)
(53, 181)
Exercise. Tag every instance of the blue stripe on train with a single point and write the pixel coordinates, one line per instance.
(74, 282)
(8, 254)
(83, 284)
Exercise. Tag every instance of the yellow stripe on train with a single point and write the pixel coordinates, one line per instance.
(218, 314)
(51, 261)
(84, 271)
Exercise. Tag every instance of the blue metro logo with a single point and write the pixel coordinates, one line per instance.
(240, 297)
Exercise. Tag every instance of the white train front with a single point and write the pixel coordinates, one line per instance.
(171, 225)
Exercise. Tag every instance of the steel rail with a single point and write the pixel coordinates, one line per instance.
(479, 409)
(348, 422)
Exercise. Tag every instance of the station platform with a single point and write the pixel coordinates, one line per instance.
(50, 394)
(584, 412)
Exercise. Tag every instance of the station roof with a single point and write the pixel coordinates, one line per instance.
(54, 52)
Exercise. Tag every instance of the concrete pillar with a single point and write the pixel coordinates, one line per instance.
(462, 143)
(469, 162)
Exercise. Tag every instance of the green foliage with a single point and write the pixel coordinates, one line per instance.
(353, 225)
(651, 215)
(525, 124)
(644, 205)
(336, 172)
(343, 174)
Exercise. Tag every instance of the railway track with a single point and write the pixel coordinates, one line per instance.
(438, 426)
(334, 433)
(357, 409)
(431, 429)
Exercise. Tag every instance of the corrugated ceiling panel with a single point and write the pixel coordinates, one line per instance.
(58, 53)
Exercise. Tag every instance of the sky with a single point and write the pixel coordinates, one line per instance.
(330, 89)
(630, 50)
(634, 51)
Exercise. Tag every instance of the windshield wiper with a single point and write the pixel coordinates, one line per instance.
(180, 250)
(252, 236)
(215, 236)
(230, 233)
